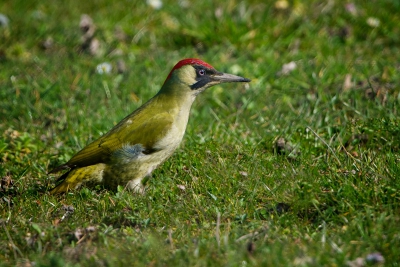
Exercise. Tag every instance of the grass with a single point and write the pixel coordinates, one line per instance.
(234, 193)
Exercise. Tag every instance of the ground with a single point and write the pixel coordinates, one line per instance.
(300, 167)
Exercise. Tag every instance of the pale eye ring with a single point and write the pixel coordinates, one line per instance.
(202, 72)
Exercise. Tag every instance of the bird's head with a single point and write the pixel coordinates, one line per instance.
(196, 75)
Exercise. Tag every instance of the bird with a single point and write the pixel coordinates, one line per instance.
(144, 139)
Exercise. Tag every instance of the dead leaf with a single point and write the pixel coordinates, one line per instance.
(243, 173)
(347, 84)
(287, 68)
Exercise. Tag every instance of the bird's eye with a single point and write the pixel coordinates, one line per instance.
(202, 72)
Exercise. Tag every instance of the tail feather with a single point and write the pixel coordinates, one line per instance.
(59, 168)
(75, 178)
(70, 180)
(61, 188)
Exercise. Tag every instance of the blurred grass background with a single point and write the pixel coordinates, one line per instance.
(298, 168)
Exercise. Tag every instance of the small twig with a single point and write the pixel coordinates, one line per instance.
(323, 238)
(112, 201)
(251, 235)
(81, 239)
(171, 242)
(349, 154)
(217, 235)
(66, 214)
(325, 143)
(15, 248)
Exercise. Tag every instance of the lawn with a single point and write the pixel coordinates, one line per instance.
(299, 167)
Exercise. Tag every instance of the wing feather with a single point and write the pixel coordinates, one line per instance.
(134, 129)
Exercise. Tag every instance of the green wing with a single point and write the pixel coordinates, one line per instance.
(134, 129)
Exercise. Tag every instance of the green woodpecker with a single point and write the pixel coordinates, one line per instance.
(145, 138)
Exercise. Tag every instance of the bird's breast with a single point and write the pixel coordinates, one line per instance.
(174, 134)
(171, 139)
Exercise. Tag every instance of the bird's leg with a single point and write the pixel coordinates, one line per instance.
(136, 186)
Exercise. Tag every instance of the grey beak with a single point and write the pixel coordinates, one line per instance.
(229, 78)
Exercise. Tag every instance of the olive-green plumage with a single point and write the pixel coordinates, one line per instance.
(145, 138)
